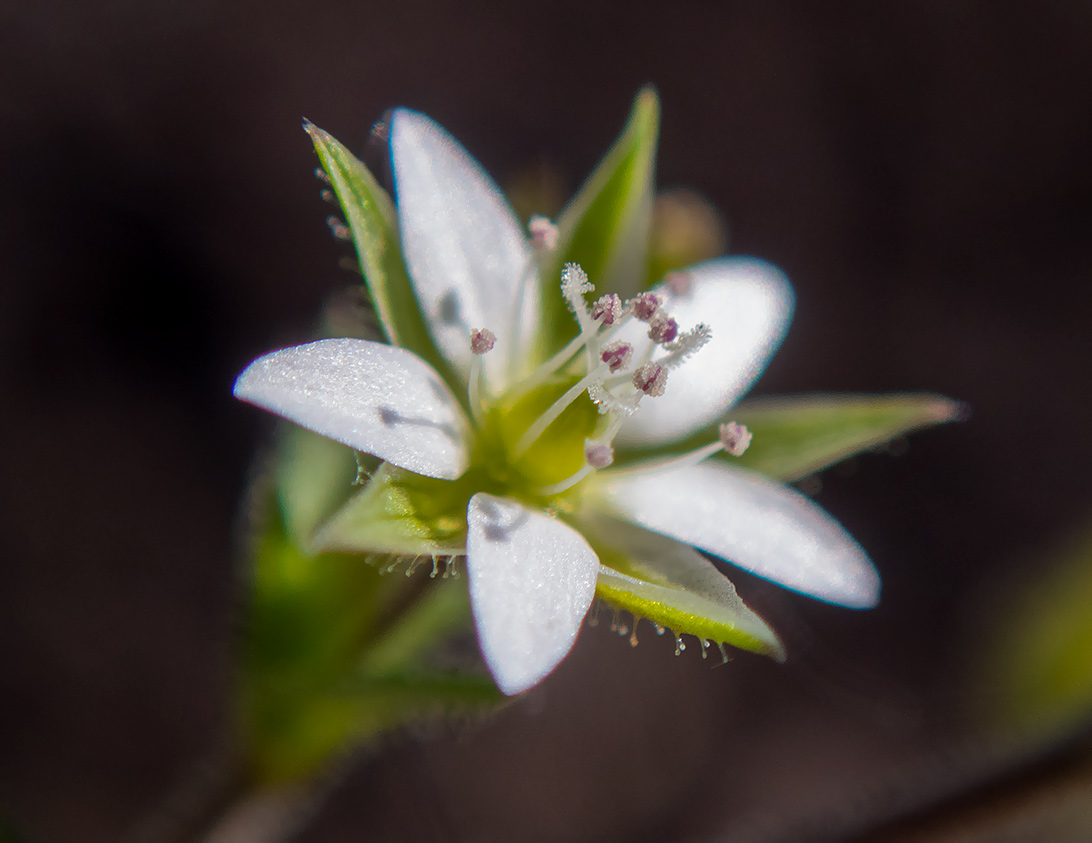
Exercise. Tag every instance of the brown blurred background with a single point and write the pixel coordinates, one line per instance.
(923, 173)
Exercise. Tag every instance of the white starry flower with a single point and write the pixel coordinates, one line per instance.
(529, 443)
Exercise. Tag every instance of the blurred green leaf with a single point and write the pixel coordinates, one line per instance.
(605, 226)
(335, 652)
(443, 609)
(1036, 676)
(374, 226)
(314, 477)
(307, 620)
(797, 435)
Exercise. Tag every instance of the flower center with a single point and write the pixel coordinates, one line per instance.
(556, 426)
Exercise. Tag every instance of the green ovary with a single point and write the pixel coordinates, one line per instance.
(555, 456)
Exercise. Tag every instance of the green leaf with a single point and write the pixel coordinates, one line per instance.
(605, 226)
(674, 586)
(403, 513)
(795, 436)
(374, 226)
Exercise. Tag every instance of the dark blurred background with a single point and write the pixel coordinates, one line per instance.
(923, 173)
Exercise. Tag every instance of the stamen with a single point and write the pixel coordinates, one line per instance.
(662, 328)
(607, 402)
(735, 438)
(607, 310)
(590, 335)
(617, 355)
(574, 284)
(597, 454)
(651, 379)
(544, 234)
(482, 341)
(612, 430)
(644, 305)
(679, 282)
(685, 345)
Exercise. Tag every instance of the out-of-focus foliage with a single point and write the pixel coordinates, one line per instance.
(1035, 647)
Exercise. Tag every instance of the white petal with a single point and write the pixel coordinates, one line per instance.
(464, 247)
(748, 305)
(751, 521)
(376, 398)
(532, 579)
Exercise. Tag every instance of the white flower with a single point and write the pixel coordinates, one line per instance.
(530, 454)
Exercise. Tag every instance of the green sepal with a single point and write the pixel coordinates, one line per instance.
(795, 436)
(673, 586)
(798, 435)
(605, 226)
(403, 513)
(374, 226)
